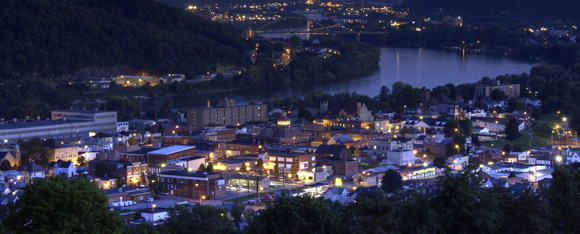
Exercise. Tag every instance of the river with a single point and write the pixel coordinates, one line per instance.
(418, 67)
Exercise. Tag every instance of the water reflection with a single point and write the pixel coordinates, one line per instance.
(418, 67)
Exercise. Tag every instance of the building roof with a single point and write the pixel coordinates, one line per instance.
(172, 149)
(42, 123)
(31, 167)
(80, 111)
(330, 149)
(189, 173)
(60, 164)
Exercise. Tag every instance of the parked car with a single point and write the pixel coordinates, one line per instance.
(288, 181)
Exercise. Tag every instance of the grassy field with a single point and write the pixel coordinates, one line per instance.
(541, 136)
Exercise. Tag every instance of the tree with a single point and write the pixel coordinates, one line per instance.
(352, 149)
(157, 186)
(237, 210)
(294, 171)
(515, 104)
(507, 148)
(301, 214)
(466, 127)
(120, 182)
(198, 219)
(102, 169)
(512, 129)
(79, 205)
(563, 193)
(37, 153)
(363, 216)
(392, 181)
(81, 161)
(260, 166)
(133, 141)
(202, 168)
(461, 206)
(5, 165)
(209, 168)
(439, 162)
(451, 128)
(277, 171)
(497, 95)
(160, 128)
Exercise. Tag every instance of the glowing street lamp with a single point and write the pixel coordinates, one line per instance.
(457, 147)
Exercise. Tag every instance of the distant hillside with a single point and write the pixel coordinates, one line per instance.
(521, 10)
(59, 37)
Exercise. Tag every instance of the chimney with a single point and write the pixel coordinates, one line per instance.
(37, 118)
(27, 117)
(71, 107)
(14, 120)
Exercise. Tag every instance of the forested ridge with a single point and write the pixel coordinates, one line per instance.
(494, 10)
(55, 38)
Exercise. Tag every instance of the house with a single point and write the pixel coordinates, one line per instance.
(31, 171)
(8, 157)
(154, 215)
(572, 155)
(194, 184)
(496, 125)
(458, 162)
(63, 168)
(337, 194)
(345, 111)
(338, 157)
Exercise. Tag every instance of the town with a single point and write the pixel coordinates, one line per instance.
(216, 155)
(303, 116)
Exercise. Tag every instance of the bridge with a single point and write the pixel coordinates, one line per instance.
(322, 30)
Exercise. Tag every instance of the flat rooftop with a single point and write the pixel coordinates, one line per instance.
(83, 111)
(42, 123)
(172, 149)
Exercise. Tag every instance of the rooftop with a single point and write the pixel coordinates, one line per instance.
(42, 123)
(172, 149)
(83, 111)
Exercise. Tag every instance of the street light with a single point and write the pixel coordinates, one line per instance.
(457, 147)
(558, 159)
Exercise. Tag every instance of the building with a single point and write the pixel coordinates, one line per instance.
(128, 193)
(135, 80)
(458, 162)
(69, 153)
(196, 185)
(191, 162)
(287, 160)
(130, 172)
(156, 158)
(31, 171)
(60, 167)
(338, 157)
(453, 20)
(511, 90)
(345, 111)
(154, 215)
(64, 124)
(220, 135)
(167, 141)
(401, 157)
(228, 114)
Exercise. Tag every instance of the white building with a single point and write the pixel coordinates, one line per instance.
(64, 124)
(401, 157)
